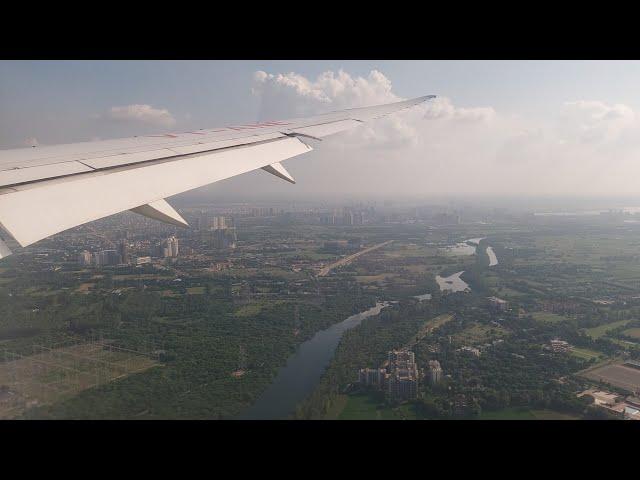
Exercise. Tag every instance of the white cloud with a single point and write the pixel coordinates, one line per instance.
(588, 121)
(441, 108)
(141, 114)
(582, 147)
(292, 95)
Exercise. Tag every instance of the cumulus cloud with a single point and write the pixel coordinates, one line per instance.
(594, 122)
(441, 108)
(140, 114)
(293, 95)
(579, 147)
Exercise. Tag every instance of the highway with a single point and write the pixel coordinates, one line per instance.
(346, 260)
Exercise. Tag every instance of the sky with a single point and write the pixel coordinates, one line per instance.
(496, 128)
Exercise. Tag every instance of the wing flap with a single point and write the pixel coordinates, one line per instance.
(161, 210)
(4, 249)
(279, 171)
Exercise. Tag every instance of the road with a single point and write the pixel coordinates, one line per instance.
(346, 260)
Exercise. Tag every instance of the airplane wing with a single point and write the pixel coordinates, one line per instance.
(45, 190)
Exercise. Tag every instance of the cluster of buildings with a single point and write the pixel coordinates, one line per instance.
(498, 304)
(116, 256)
(218, 231)
(223, 238)
(168, 248)
(345, 217)
(399, 379)
(559, 346)
(625, 408)
(472, 350)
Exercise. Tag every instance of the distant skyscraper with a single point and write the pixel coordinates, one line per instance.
(435, 372)
(107, 257)
(372, 377)
(225, 238)
(123, 250)
(171, 247)
(219, 223)
(84, 258)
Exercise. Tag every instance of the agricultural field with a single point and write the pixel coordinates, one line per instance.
(616, 374)
(632, 332)
(50, 375)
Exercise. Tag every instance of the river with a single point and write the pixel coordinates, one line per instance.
(299, 377)
(452, 283)
(493, 260)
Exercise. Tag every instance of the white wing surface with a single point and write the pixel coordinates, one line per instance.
(45, 190)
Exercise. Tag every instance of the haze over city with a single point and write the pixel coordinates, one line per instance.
(469, 256)
(497, 128)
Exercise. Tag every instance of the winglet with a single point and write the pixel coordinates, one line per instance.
(161, 210)
(279, 171)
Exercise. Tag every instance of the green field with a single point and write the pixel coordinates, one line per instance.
(525, 414)
(601, 330)
(478, 333)
(548, 317)
(366, 407)
(195, 290)
(585, 353)
(633, 332)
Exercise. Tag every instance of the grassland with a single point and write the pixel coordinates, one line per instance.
(196, 290)
(51, 375)
(525, 414)
(478, 333)
(548, 317)
(585, 353)
(602, 330)
(632, 332)
(363, 406)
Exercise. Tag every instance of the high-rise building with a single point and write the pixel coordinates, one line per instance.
(218, 223)
(435, 372)
(402, 386)
(84, 258)
(403, 378)
(107, 257)
(401, 359)
(372, 377)
(223, 239)
(171, 247)
(123, 250)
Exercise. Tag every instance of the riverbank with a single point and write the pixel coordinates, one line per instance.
(299, 377)
(364, 346)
